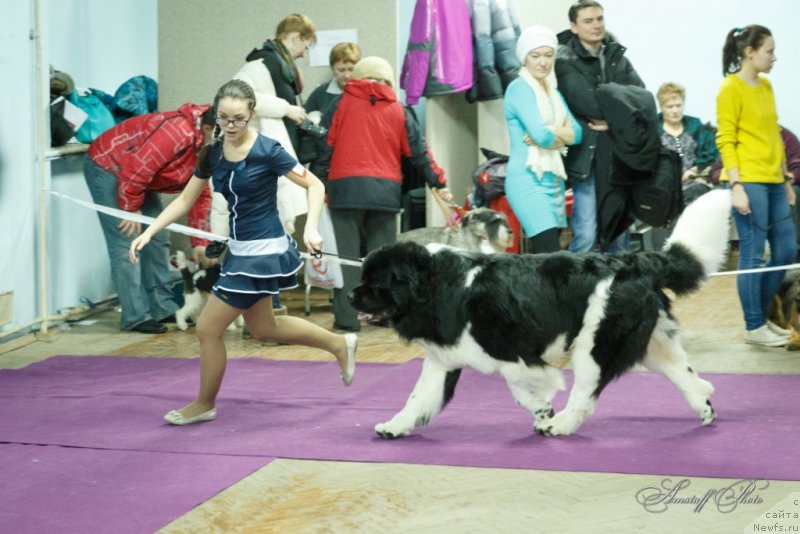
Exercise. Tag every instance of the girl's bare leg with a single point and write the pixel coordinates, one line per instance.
(263, 324)
(211, 326)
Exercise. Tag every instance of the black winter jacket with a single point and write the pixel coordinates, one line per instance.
(578, 73)
(284, 88)
(633, 125)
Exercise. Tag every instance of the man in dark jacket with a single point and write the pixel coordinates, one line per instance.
(587, 57)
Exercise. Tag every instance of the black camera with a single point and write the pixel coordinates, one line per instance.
(313, 130)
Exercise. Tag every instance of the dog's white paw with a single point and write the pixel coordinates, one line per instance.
(180, 260)
(562, 424)
(180, 320)
(392, 429)
(542, 423)
(708, 415)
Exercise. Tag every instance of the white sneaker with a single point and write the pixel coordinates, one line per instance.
(775, 329)
(765, 337)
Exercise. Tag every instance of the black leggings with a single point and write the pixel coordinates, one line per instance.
(547, 241)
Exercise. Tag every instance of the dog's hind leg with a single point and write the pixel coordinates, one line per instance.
(665, 355)
(434, 389)
(534, 388)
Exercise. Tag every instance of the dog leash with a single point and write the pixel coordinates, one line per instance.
(218, 241)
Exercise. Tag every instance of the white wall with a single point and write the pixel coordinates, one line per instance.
(695, 58)
(100, 45)
(681, 41)
(17, 172)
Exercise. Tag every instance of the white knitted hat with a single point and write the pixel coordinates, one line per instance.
(374, 67)
(534, 37)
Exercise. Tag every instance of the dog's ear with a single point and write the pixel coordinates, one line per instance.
(478, 229)
(410, 276)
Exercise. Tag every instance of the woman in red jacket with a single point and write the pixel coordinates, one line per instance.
(369, 133)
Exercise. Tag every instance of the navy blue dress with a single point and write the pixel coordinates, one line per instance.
(261, 259)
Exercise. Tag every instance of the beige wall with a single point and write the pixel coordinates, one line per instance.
(202, 43)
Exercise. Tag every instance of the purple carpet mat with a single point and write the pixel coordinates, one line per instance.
(48, 489)
(289, 409)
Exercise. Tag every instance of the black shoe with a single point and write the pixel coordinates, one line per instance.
(356, 328)
(167, 319)
(149, 327)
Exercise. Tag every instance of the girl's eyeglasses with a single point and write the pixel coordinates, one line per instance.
(237, 123)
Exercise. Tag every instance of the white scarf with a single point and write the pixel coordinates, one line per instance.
(551, 109)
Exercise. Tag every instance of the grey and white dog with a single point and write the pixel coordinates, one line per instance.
(482, 230)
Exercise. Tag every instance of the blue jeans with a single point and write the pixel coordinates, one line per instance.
(144, 288)
(584, 220)
(770, 220)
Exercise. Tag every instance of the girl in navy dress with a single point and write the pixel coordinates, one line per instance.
(261, 259)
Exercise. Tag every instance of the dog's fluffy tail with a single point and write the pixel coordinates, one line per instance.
(699, 242)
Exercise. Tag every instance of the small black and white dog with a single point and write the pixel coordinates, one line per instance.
(481, 230)
(197, 287)
(526, 316)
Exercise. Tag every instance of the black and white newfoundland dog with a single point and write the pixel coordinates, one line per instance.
(526, 316)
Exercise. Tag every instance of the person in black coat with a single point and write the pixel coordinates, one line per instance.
(588, 57)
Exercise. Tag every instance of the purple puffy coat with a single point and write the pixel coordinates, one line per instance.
(438, 59)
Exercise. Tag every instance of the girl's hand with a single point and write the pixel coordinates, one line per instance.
(790, 193)
(137, 245)
(741, 202)
(312, 240)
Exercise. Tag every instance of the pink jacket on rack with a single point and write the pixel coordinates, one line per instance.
(438, 59)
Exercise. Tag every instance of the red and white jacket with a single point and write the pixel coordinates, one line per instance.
(155, 152)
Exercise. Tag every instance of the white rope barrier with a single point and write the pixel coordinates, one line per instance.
(186, 230)
(180, 228)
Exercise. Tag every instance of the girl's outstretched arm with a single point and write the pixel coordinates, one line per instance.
(171, 213)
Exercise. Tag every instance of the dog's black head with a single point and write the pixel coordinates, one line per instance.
(395, 281)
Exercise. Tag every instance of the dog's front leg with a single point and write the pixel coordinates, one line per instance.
(534, 388)
(582, 398)
(434, 389)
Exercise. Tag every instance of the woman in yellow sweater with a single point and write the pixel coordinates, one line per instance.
(753, 158)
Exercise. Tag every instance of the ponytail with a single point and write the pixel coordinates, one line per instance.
(737, 40)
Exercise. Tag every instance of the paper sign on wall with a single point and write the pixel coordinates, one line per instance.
(319, 56)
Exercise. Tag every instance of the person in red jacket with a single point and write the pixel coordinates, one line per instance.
(128, 166)
(369, 132)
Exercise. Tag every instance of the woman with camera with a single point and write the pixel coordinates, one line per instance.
(277, 81)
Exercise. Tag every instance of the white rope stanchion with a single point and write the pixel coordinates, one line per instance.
(180, 228)
(759, 270)
(186, 230)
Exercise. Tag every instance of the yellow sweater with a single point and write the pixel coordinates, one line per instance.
(749, 137)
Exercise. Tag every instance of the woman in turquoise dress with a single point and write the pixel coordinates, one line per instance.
(261, 259)
(540, 126)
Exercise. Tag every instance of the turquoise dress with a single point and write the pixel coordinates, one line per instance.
(537, 201)
(261, 259)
